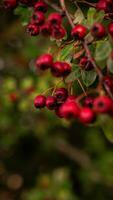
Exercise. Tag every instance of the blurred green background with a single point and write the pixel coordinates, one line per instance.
(43, 157)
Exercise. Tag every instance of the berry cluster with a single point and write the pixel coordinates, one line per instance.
(67, 106)
(84, 107)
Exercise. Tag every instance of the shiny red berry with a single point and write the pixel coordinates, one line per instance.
(58, 32)
(40, 101)
(32, 29)
(79, 31)
(110, 29)
(51, 102)
(55, 19)
(102, 104)
(9, 4)
(57, 69)
(88, 102)
(67, 68)
(71, 98)
(69, 110)
(85, 64)
(61, 94)
(38, 18)
(86, 115)
(45, 30)
(44, 62)
(105, 5)
(40, 6)
(98, 30)
(109, 82)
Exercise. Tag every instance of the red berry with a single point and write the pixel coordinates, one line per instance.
(13, 97)
(57, 69)
(85, 64)
(71, 98)
(108, 81)
(40, 101)
(102, 104)
(32, 29)
(38, 18)
(69, 110)
(51, 102)
(88, 102)
(55, 19)
(87, 115)
(110, 29)
(61, 94)
(44, 62)
(40, 6)
(79, 31)
(10, 4)
(58, 32)
(45, 30)
(67, 68)
(98, 30)
(105, 5)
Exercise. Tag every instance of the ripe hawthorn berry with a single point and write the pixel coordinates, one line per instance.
(85, 64)
(58, 32)
(10, 4)
(38, 18)
(71, 98)
(45, 29)
(102, 104)
(88, 102)
(79, 31)
(32, 29)
(44, 62)
(105, 5)
(60, 69)
(61, 94)
(40, 101)
(69, 110)
(109, 82)
(86, 115)
(98, 30)
(110, 29)
(54, 19)
(51, 102)
(40, 6)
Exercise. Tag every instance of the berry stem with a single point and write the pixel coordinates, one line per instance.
(62, 2)
(54, 6)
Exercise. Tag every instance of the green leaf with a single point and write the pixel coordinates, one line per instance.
(24, 14)
(103, 50)
(78, 16)
(106, 123)
(93, 16)
(88, 77)
(110, 64)
(74, 74)
(66, 52)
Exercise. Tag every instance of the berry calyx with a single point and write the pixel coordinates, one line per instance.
(44, 62)
(40, 101)
(102, 104)
(79, 31)
(86, 115)
(98, 31)
(61, 94)
(51, 102)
